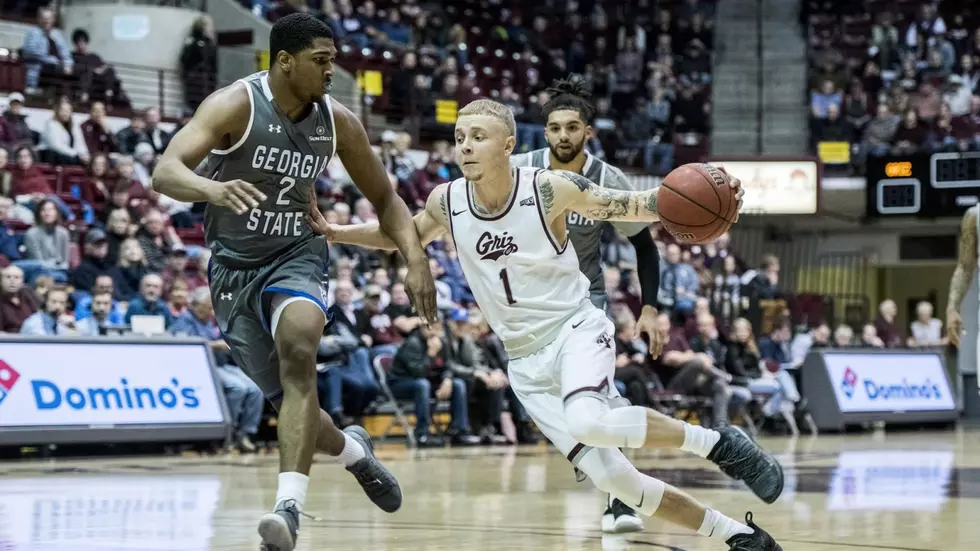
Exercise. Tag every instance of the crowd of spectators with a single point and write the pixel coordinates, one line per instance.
(894, 78)
(647, 64)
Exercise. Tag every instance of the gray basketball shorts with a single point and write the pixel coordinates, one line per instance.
(242, 301)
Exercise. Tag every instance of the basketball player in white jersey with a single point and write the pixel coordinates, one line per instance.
(509, 228)
(959, 284)
(567, 128)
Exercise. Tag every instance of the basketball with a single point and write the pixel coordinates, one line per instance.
(696, 204)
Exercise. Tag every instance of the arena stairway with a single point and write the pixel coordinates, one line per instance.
(785, 127)
(735, 88)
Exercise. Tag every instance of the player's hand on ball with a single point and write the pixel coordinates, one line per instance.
(238, 195)
(421, 289)
(954, 327)
(648, 324)
(735, 184)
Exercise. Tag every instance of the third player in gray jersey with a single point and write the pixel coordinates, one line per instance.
(567, 129)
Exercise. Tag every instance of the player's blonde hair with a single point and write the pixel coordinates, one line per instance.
(493, 109)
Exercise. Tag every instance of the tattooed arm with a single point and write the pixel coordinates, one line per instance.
(563, 191)
(966, 265)
(430, 224)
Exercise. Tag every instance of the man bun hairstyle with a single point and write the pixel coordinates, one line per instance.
(295, 33)
(570, 94)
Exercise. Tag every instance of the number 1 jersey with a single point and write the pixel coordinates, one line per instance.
(526, 280)
(283, 160)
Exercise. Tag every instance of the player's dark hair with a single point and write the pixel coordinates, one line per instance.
(295, 33)
(569, 94)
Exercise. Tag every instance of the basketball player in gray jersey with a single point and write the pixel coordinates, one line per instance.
(266, 138)
(567, 129)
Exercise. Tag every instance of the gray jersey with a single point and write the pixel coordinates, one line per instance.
(585, 233)
(282, 159)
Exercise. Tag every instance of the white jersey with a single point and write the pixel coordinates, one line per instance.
(525, 279)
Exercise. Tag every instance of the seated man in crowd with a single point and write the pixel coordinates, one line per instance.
(245, 399)
(95, 324)
(345, 375)
(53, 318)
(150, 301)
(485, 388)
(83, 301)
(706, 342)
(685, 371)
(17, 302)
(774, 350)
(422, 362)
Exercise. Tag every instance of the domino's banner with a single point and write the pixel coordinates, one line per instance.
(872, 382)
(107, 383)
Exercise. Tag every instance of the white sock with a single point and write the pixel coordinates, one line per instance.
(292, 486)
(353, 451)
(699, 440)
(717, 525)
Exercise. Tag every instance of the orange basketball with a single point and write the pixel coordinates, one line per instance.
(696, 203)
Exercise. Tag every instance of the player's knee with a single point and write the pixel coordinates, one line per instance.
(582, 416)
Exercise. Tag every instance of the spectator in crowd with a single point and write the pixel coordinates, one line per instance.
(885, 324)
(765, 284)
(199, 62)
(484, 388)
(743, 363)
(98, 137)
(910, 136)
(95, 324)
(83, 301)
(133, 134)
(244, 398)
(48, 243)
(13, 125)
(31, 185)
(678, 281)
(421, 363)
(879, 132)
(159, 138)
(17, 302)
(94, 263)
(803, 342)
(96, 79)
(150, 301)
(118, 229)
(178, 297)
(378, 332)
(344, 311)
(175, 269)
(52, 319)
(682, 370)
(776, 346)
(869, 337)
(130, 271)
(45, 51)
(843, 336)
(631, 376)
(157, 240)
(706, 342)
(925, 330)
(822, 99)
(833, 128)
(347, 378)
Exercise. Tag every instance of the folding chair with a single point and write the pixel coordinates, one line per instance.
(382, 364)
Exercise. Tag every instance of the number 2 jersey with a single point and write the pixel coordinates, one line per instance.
(526, 280)
(283, 160)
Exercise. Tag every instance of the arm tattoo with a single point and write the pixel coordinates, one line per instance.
(582, 182)
(652, 201)
(966, 263)
(547, 194)
(608, 203)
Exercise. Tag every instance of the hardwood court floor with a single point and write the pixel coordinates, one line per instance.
(873, 492)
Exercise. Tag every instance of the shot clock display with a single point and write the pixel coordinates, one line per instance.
(923, 184)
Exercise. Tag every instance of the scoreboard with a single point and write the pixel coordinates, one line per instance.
(923, 184)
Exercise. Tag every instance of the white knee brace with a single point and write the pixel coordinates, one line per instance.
(591, 422)
(611, 472)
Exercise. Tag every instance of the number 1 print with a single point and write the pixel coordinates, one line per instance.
(503, 277)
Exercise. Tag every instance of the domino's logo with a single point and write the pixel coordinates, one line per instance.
(849, 382)
(8, 378)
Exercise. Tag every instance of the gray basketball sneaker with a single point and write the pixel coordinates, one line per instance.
(279, 528)
(378, 483)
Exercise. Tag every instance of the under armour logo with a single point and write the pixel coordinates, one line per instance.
(275, 128)
(225, 296)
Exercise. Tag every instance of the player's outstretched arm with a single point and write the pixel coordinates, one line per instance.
(563, 191)
(959, 284)
(395, 219)
(430, 224)
(217, 124)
